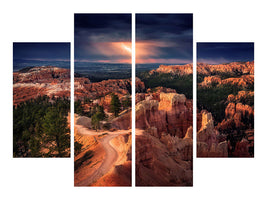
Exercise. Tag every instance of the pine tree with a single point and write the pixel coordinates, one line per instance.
(56, 130)
(97, 117)
(126, 102)
(78, 109)
(95, 121)
(115, 105)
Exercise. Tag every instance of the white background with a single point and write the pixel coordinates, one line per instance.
(52, 21)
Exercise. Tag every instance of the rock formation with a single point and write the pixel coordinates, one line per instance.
(174, 69)
(164, 162)
(232, 137)
(123, 121)
(164, 144)
(171, 114)
(85, 89)
(210, 80)
(237, 116)
(100, 89)
(39, 81)
(42, 75)
(208, 144)
(243, 81)
(242, 96)
(153, 94)
(242, 148)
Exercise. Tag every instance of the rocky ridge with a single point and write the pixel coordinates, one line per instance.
(245, 68)
(174, 69)
(244, 81)
(84, 88)
(45, 74)
(39, 81)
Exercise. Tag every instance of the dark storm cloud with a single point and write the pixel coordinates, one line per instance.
(41, 51)
(217, 53)
(95, 31)
(163, 26)
(102, 22)
(175, 30)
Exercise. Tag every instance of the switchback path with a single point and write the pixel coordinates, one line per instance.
(110, 157)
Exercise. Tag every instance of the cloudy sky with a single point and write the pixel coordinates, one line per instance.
(41, 51)
(164, 38)
(218, 53)
(102, 38)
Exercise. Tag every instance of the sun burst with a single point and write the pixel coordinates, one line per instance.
(126, 48)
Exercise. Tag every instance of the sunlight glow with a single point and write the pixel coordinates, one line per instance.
(127, 48)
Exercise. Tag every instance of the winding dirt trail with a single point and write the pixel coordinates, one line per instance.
(110, 157)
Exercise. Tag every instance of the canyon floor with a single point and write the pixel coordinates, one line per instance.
(107, 160)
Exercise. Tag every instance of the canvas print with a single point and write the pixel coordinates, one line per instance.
(164, 107)
(41, 99)
(225, 99)
(102, 87)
